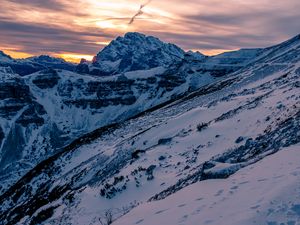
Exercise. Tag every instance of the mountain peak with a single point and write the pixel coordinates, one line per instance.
(136, 51)
(133, 35)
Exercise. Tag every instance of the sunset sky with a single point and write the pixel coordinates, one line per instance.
(81, 28)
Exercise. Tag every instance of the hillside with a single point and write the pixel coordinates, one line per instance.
(206, 132)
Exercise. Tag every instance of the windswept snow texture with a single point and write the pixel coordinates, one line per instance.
(220, 131)
(265, 193)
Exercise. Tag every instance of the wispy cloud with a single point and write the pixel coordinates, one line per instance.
(49, 4)
(139, 12)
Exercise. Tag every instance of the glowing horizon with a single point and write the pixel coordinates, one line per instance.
(76, 58)
(83, 27)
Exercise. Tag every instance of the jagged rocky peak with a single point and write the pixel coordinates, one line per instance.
(136, 51)
(197, 56)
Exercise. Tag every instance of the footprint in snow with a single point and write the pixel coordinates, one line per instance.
(245, 182)
(139, 221)
(261, 180)
(219, 192)
(255, 207)
(234, 187)
(183, 219)
(196, 212)
(160, 211)
(295, 174)
(277, 177)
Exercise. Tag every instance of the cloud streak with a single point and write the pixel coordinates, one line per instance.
(42, 4)
(139, 12)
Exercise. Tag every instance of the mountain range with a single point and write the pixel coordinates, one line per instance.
(148, 132)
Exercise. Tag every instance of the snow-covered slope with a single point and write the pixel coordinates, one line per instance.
(238, 58)
(213, 132)
(229, 62)
(267, 193)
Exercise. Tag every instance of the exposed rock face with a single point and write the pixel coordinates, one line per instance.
(14, 95)
(48, 79)
(25, 127)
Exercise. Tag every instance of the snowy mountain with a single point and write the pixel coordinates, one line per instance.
(208, 142)
(34, 64)
(133, 52)
(59, 106)
(52, 62)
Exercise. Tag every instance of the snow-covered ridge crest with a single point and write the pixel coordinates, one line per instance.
(34, 64)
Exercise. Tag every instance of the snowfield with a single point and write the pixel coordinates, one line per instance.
(265, 193)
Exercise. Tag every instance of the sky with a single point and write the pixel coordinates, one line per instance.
(81, 28)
